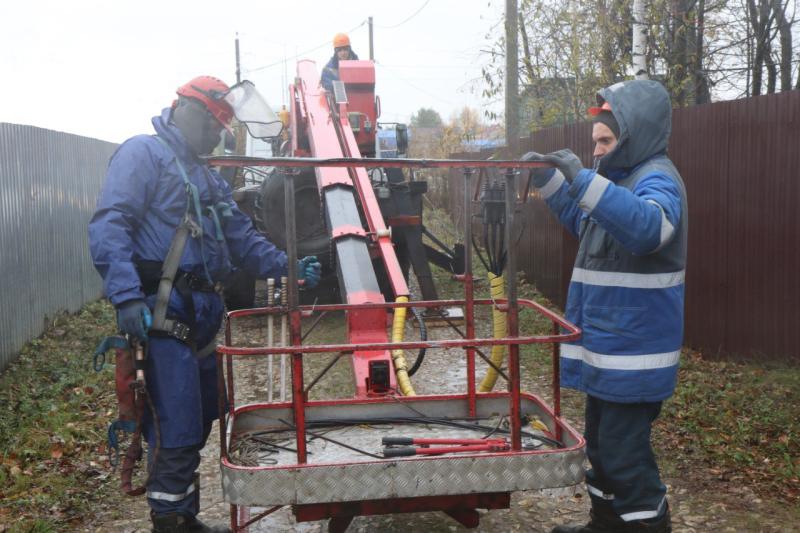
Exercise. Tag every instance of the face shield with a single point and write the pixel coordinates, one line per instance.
(252, 110)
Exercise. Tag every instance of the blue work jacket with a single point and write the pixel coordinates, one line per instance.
(144, 200)
(627, 287)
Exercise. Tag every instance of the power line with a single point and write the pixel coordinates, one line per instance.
(326, 43)
(414, 14)
(420, 89)
(462, 67)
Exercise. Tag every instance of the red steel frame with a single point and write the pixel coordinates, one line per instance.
(329, 136)
(341, 513)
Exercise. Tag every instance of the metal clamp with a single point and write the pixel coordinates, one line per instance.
(178, 330)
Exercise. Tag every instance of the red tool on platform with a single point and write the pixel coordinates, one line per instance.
(462, 446)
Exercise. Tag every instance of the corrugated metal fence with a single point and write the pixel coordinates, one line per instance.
(48, 186)
(740, 161)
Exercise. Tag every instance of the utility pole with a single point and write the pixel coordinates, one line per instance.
(240, 133)
(371, 53)
(238, 66)
(512, 80)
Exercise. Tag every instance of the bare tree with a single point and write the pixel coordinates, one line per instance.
(697, 48)
(784, 26)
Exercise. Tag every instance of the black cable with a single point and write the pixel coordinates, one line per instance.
(479, 254)
(285, 59)
(423, 336)
(501, 248)
(491, 240)
(487, 246)
(494, 430)
(323, 423)
(333, 441)
(414, 14)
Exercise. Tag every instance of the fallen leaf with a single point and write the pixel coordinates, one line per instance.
(56, 450)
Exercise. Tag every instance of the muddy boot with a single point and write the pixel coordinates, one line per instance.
(602, 519)
(193, 525)
(661, 525)
(178, 523)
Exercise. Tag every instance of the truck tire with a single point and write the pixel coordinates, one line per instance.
(239, 291)
(312, 236)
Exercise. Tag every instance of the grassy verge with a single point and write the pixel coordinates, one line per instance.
(739, 421)
(53, 419)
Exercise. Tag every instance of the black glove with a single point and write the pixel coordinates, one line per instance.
(309, 270)
(566, 161)
(134, 319)
(540, 175)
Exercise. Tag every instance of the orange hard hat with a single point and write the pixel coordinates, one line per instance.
(341, 40)
(594, 111)
(211, 92)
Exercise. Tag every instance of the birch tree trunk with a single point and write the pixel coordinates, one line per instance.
(639, 41)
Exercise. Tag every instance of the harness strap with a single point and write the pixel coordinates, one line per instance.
(192, 204)
(215, 212)
(168, 271)
(184, 333)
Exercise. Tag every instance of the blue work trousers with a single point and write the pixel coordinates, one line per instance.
(183, 389)
(174, 487)
(623, 473)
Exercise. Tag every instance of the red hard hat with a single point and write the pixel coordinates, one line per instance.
(211, 91)
(594, 111)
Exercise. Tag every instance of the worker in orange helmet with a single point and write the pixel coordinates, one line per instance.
(341, 52)
(156, 184)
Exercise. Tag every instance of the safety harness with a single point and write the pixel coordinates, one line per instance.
(159, 279)
(185, 283)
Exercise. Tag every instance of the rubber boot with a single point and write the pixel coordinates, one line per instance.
(178, 523)
(602, 519)
(195, 525)
(661, 525)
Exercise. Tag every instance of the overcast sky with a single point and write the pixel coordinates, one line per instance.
(103, 68)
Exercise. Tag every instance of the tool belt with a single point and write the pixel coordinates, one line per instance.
(150, 273)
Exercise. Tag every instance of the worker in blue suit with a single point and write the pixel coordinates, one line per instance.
(341, 52)
(155, 185)
(626, 294)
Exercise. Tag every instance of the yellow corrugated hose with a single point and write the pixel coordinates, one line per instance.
(398, 356)
(498, 290)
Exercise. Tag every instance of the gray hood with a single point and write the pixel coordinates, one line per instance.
(644, 113)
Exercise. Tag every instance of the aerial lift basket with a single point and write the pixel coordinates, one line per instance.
(310, 469)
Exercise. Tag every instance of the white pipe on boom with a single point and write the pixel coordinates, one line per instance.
(284, 334)
(270, 339)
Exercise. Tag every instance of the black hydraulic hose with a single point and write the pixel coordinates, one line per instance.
(479, 254)
(337, 442)
(323, 423)
(423, 335)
